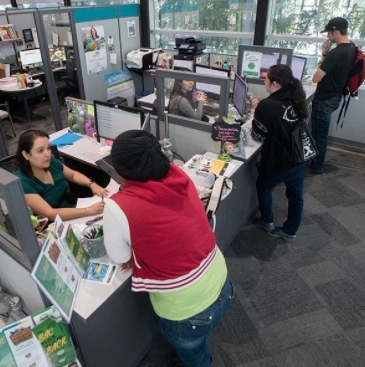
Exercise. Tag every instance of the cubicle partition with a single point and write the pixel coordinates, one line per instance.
(112, 38)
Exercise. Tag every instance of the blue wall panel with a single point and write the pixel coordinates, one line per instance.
(91, 14)
(129, 10)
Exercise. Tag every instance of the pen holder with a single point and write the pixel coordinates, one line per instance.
(94, 241)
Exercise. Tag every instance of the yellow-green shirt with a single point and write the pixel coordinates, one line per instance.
(187, 302)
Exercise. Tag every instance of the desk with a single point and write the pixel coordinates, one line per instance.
(12, 88)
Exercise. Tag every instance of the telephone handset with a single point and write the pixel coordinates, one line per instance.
(9, 303)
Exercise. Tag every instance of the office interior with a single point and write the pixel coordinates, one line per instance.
(327, 262)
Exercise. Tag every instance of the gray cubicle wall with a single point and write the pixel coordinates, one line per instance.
(353, 127)
(128, 13)
(94, 84)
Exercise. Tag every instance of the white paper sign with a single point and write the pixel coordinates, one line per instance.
(55, 38)
(131, 28)
(113, 58)
(251, 64)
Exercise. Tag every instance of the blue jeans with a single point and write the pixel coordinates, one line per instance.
(321, 118)
(294, 181)
(189, 337)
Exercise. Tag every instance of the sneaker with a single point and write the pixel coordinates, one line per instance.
(278, 232)
(311, 172)
(265, 226)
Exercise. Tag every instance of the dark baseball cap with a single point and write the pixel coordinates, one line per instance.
(336, 24)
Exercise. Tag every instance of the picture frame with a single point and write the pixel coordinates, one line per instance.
(27, 34)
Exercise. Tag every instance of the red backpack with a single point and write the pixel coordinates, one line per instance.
(355, 79)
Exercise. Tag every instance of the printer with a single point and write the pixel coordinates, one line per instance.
(189, 45)
(190, 53)
(143, 58)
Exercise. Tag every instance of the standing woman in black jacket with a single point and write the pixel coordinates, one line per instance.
(273, 122)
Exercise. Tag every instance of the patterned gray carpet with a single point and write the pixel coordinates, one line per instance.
(300, 305)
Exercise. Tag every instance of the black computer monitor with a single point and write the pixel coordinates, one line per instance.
(30, 57)
(209, 70)
(112, 120)
(254, 61)
(239, 96)
(298, 66)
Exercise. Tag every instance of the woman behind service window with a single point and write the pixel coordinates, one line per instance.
(186, 101)
(44, 179)
(273, 122)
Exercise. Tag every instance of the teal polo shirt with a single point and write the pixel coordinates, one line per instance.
(55, 193)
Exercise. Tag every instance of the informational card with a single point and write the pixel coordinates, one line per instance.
(120, 84)
(100, 272)
(24, 346)
(251, 64)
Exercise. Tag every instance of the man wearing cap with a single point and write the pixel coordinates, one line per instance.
(156, 225)
(331, 77)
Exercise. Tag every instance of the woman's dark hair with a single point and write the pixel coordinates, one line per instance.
(283, 75)
(91, 32)
(25, 143)
(176, 91)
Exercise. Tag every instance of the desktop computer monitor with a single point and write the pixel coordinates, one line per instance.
(239, 95)
(298, 66)
(210, 89)
(112, 120)
(254, 61)
(30, 57)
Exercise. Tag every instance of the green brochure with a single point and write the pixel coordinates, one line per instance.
(6, 357)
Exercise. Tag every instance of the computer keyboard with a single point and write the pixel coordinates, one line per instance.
(108, 159)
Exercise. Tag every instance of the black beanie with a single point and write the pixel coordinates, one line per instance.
(137, 155)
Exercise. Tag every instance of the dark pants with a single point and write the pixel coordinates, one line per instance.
(294, 181)
(189, 337)
(321, 118)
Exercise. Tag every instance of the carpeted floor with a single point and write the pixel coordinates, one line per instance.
(302, 304)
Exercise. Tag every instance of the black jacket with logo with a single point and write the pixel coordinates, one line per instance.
(272, 124)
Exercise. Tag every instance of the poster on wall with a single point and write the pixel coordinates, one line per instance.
(251, 64)
(94, 47)
(131, 27)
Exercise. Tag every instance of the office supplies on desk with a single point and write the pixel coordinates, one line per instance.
(66, 139)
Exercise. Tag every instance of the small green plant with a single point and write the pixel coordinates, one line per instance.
(94, 232)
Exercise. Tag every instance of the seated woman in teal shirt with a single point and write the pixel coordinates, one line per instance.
(45, 179)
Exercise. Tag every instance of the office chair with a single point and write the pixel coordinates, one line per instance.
(70, 78)
(5, 114)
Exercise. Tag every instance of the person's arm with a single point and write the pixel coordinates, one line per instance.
(318, 75)
(185, 109)
(116, 233)
(40, 206)
(80, 179)
(259, 125)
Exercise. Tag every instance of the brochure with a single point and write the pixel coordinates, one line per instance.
(57, 276)
(100, 272)
(24, 347)
(56, 342)
(208, 164)
(62, 264)
(71, 244)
